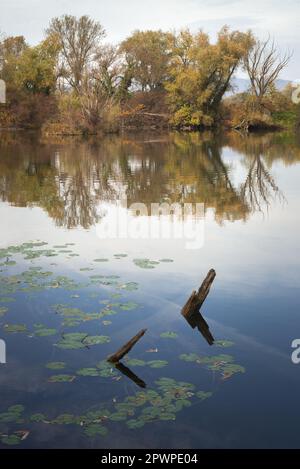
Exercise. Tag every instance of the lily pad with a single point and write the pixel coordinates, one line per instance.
(88, 372)
(169, 335)
(145, 263)
(45, 332)
(157, 363)
(135, 362)
(129, 286)
(61, 378)
(95, 430)
(96, 340)
(3, 310)
(11, 440)
(128, 306)
(15, 328)
(56, 365)
(203, 395)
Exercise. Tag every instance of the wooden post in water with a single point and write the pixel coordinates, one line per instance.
(191, 310)
(116, 357)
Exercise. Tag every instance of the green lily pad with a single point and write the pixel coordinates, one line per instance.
(3, 310)
(135, 362)
(11, 440)
(12, 414)
(145, 263)
(7, 299)
(96, 340)
(88, 372)
(38, 418)
(157, 363)
(129, 286)
(45, 332)
(56, 365)
(15, 328)
(61, 378)
(95, 430)
(128, 306)
(169, 335)
(65, 419)
(203, 395)
(133, 424)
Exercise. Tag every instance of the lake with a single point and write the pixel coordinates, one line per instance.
(75, 286)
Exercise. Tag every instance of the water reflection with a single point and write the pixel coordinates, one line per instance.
(70, 179)
(129, 373)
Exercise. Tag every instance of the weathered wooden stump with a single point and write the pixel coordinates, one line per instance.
(116, 357)
(191, 310)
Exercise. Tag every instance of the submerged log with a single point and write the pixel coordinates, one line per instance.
(127, 372)
(191, 310)
(116, 357)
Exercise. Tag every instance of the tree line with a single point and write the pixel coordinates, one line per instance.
(75, 82)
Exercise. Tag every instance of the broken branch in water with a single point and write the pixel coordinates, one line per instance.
(191, 310)
(116, 357)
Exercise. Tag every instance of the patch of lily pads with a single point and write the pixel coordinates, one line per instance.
(222, 363)
(145, 263)
(80, 340)
(132, 362)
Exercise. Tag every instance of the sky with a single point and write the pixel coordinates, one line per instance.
(277, 18)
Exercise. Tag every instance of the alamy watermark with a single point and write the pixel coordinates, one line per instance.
(2, 352)
(296, 92)
(2, 92)
(296, 353)
(158, 221)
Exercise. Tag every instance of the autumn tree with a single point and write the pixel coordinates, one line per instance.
(36, 68)
(201, 73)
(78, 39)
(146, 54)
(11, 49)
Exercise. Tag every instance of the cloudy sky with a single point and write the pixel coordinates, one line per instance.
(278, 18)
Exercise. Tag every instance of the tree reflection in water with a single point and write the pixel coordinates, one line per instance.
(71, 179)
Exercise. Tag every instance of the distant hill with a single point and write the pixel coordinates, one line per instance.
(242, 84)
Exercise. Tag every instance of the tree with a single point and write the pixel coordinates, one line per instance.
(108, 69)
(201, 73)
(78, 39)
(263, 64)
(146, 54)
(11, 49)
(36, 67)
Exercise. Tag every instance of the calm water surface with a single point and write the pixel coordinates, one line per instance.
(57, 277)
